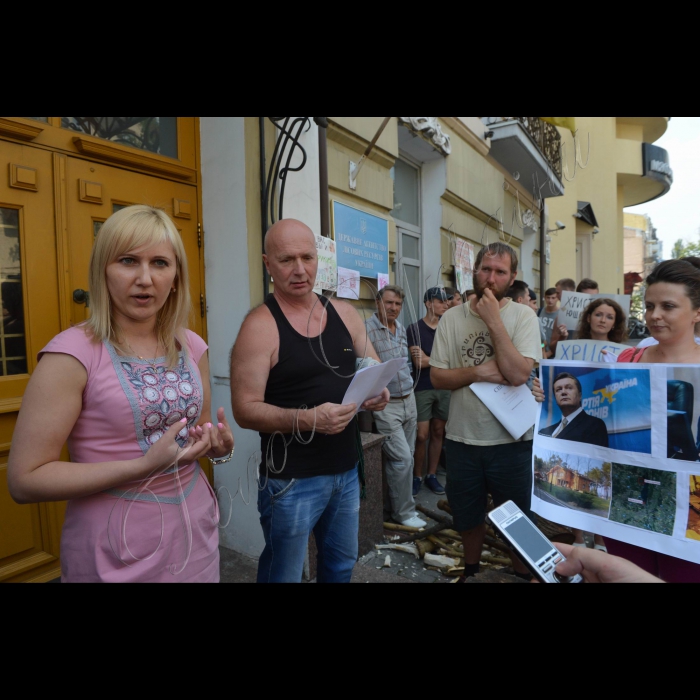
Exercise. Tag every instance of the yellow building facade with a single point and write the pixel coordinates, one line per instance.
(440, 182)
(623, 169)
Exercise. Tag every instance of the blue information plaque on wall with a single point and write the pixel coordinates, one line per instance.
(362, 240)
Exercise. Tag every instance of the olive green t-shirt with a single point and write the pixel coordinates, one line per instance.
(463, 340)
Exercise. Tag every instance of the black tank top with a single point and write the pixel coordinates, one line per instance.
(303, 378)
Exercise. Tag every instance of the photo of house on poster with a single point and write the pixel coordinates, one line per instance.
(574, 482)
(684, 414)
(605, 407)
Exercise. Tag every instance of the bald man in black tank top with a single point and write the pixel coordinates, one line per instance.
(299, 350)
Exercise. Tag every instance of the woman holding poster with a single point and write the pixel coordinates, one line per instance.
(673, 317)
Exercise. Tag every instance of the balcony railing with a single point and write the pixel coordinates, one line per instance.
(544, 135)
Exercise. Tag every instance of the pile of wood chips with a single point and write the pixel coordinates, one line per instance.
(440, 547)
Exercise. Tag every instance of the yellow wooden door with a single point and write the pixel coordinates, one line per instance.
(29, 535)
(51, 207)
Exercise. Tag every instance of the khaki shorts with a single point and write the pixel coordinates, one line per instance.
(433, 404)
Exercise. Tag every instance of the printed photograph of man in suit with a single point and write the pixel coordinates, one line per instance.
(576, 425)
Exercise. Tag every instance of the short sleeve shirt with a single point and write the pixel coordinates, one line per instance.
(392, 346)
(548, 322)
(462, 341)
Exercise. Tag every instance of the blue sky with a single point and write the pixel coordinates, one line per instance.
(677, 215)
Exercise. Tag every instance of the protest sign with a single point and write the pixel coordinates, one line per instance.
(588, 350)
(348, 284)
(464, 265)
(327, 277)
(382, 281)
(573, 305)
(616, 453)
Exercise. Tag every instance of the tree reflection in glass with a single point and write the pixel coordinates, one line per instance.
(154, 134)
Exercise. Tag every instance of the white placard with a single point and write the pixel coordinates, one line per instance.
(589, 351)
(382, 281)
(327, 277)
(465, 254)
(370, 382)
(348, 284)
(515, 408)
(574, 304)
(627, 465)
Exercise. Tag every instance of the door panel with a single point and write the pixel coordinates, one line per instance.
(95, 192)
(29, 535)
(56, 204)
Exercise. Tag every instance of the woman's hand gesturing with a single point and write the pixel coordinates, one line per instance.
(167, 451)
(221, 435)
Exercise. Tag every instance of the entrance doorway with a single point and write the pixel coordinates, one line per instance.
(54, 197)
(407, 214)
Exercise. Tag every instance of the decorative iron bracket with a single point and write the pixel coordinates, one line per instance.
(273, 180)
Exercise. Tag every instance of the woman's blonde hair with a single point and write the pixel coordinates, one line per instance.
(128, 230)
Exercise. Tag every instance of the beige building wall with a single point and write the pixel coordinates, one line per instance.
(613, 179)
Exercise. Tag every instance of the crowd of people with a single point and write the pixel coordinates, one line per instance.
(129, 391)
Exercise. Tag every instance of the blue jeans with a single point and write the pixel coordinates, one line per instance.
(328, 506)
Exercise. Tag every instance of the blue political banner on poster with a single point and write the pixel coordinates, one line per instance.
(362, 241)
(616, 400)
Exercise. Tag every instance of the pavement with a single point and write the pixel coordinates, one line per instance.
(237, 568)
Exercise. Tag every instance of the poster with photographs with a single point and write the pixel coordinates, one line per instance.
(617, 453)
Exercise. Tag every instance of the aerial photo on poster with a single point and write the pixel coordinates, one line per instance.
(603, 407)
(573, 482)
(644, 498)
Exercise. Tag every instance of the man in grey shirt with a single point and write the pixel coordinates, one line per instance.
(399, 422)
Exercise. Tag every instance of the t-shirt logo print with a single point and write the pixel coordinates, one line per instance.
(477, 350)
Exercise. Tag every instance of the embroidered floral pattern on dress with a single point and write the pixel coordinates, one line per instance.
(159, 397)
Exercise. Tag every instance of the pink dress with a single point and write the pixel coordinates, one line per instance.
(667, 568)
(160, 532)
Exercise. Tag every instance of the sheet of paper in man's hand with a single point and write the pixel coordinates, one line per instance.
(515, 408)
(371, 382)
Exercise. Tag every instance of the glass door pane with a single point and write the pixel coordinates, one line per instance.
(413, 305)
(13, 349)
(406, 193)
(154, 134)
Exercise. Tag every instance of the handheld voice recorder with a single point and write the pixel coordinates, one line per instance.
(532, 547)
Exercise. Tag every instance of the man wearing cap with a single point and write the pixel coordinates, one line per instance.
(433, 405)
(398, 423)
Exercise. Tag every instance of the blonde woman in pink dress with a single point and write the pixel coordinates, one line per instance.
(129, 391)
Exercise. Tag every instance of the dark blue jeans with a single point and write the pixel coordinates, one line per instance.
(290, 510)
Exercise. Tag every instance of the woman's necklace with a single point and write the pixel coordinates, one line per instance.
(143, 359)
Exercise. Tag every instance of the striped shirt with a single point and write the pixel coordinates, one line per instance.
(392, 347)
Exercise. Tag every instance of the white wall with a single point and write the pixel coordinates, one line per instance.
(302, 199)
(228, 299)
